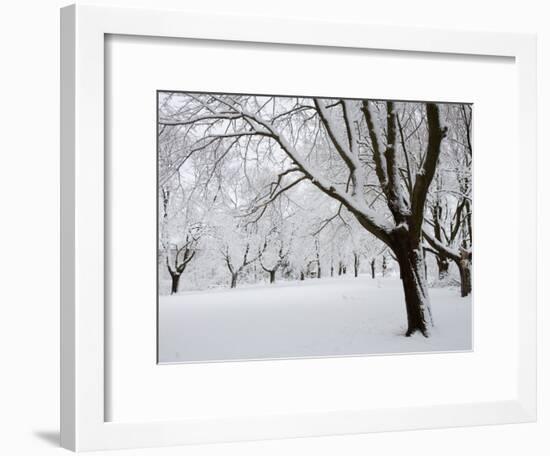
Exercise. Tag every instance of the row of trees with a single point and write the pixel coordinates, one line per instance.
(292, 183)
(285, 243)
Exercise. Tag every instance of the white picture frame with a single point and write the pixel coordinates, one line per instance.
(83, 396)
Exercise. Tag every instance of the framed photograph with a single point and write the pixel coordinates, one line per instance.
(259, 194)
(270, 230)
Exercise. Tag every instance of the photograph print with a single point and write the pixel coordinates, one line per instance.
(296, 227)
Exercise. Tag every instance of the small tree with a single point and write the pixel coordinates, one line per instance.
(272, 257)
(183, 256)
(237, 266)
(356, 263)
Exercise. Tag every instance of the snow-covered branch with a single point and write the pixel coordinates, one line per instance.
(436, 134)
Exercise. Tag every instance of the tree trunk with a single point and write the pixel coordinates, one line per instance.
(302, 275)
(373, 268)
(355, 264)
(465, 269)
(318, 270)
(272, 276)
(417, 302)
(234, 277)
(442, 266)
(175, 282)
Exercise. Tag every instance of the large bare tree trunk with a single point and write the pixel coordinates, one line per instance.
(417, 302)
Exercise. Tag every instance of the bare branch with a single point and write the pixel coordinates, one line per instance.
(436, 134)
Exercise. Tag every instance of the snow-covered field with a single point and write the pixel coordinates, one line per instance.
(314, 318)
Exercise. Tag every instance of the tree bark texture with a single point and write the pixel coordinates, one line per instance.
(411, 263)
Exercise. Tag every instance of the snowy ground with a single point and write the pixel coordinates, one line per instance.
(326, 317)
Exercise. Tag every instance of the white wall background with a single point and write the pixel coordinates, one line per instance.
(29, 245)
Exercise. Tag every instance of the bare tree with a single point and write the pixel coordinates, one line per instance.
(272, 257)
(235, 266)
(450, 238)
(356, 263)
(183, 256)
